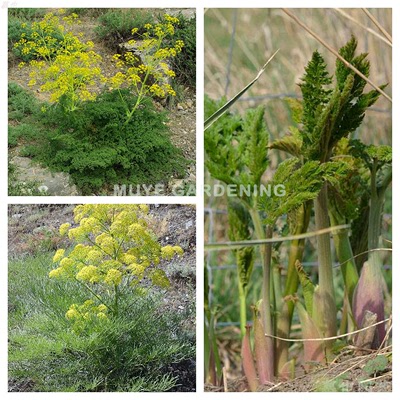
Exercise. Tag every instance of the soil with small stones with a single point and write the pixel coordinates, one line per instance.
(34, 227)
(346, 374)
(182, 119)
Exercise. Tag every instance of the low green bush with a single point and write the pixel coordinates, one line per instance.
(21, 103)
(19, 22)
(115, 26)
(26, 14)
(23, 131)
(96, 147)
(15, 30)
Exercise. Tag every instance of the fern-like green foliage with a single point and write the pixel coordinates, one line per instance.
(223, 159)
(290, 144)
(240, 229)
(301, 183)
(330, 114)
(236, 146)
(316, 93)
(346, 198)
(378, 159)
(96, 147)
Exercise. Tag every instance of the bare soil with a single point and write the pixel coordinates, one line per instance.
(347, 373)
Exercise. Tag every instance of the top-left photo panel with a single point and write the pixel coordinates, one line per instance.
(101, 102)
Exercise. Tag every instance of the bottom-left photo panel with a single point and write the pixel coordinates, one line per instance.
(101, 298)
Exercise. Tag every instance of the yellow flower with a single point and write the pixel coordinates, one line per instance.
(71, 313)
(102, 308)
(113, 277)
(55, 273)
(101, 315)
(64, 227)
(89, 274)
(178, 250)
(59, 255)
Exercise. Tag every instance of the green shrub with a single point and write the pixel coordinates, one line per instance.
(184, 64)
(21, 103)
(26, 14)
(19, 22)
(115, 26)
(15, 30)
(96, 147)
(24, 132)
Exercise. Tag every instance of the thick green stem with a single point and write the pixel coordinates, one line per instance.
(266, 253)
(243, 313)
(285, 309)
(327, 319)
(296, 253)
(345, 256)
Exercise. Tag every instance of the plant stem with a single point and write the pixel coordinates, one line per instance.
(345, 257)
(327, 319)
(285, 309)
(296, 253)
(266, 251)
(116, 300)
(242, 309)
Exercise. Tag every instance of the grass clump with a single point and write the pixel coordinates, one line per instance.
(131, 353)
(115, 26)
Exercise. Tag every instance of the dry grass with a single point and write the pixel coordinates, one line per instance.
(257, 33)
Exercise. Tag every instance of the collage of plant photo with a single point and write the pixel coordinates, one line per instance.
(101, 296)
(199, 199)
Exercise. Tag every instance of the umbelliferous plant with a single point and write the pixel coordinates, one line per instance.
(47, 38)
(145, 68)
(65, 67)
(115, 251)
(323, 158)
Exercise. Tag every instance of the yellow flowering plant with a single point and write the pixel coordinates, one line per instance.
(144, 69)
(49, 37)
(66, 67)
(70, 78)
(115, 250)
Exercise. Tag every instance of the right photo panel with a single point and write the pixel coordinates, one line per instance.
(298, 200)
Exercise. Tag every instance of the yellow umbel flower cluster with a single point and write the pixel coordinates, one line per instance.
(63, 65)
(145, 70)
(85, 315)
(114, 248)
